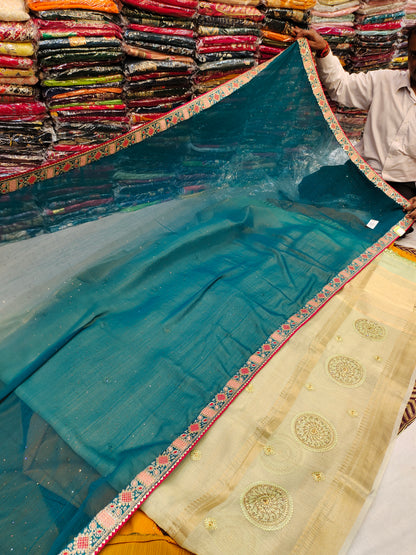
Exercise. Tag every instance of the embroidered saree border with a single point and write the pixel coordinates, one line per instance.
(409, 414)
(109, 520)
(355, 157)
(186, 111)
(329, 481)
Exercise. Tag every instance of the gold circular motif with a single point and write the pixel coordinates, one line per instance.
(267, 506)
(370, 329)
(314, 431)
(345, 371)
(281, 455)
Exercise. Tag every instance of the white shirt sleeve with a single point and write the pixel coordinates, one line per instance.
(353, 90)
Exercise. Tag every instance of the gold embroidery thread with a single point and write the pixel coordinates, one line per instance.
(345, 371)
(314, 432)
(267, 506)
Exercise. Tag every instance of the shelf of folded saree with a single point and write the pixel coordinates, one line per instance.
(378, 34)
(228, 41)
(25, 130)
(159, 43)
(399, 60)
(278, 26)
(80, 60)
(335, 21)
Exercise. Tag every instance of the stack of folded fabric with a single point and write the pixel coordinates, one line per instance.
(377, 26)
(400, 57)
(335, 21)
(352, 120)
(280, 18)
(24, 132)
(80, 58)
(77, 198)
(228, 41)
(159, 41)
(20, 216)
(409, 19)
(153, 184)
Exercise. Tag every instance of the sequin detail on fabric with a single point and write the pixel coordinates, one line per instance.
(345, 371)
(314, 432)
(370, 329)
(267, 506)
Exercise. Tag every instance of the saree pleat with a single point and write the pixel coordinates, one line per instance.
(116, 360)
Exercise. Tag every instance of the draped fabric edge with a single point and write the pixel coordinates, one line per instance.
(185, 111)
(111, 518)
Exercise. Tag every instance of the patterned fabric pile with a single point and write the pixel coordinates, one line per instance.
(280, 18)
(377, 27)
(410, 14)
(80, 59)
(76, 199)
(24, 132)
(374, 39)
(399, 60)
(228, 41)
(159, 41)
(77, 73)
(335, 21)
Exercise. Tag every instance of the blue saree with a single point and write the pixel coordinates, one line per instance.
(110, 381)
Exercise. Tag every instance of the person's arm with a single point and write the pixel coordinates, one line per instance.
(355, 90)
(411, 208)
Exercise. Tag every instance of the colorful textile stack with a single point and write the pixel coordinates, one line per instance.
(77, 198)
(228, 41)
(159, 41)
(280, 18)
(410, 14)
(335, 21)
(399, 60)
(20, 216)
(80, 59)
(377, 27)
(352, 121)
(24, 136)
(152, 184)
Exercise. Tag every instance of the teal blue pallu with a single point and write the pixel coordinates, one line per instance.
(110, 381)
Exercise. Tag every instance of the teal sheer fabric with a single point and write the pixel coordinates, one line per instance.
(265, 209)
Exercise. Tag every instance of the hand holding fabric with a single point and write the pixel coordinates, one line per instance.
(411, 208)
(316, 41)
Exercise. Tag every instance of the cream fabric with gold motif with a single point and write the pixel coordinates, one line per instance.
(290, 465)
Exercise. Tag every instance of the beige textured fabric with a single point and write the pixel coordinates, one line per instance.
(290, 466)
(13, 10)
